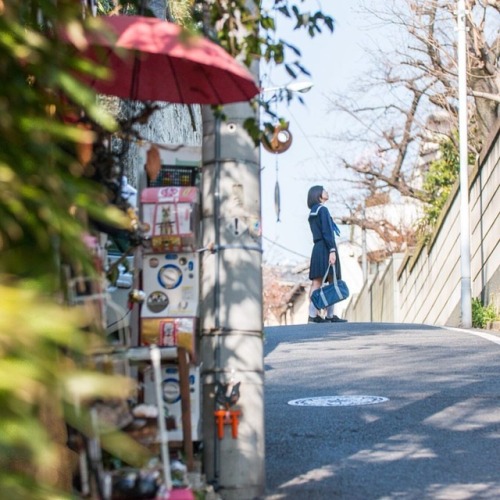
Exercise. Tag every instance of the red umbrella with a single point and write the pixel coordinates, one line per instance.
(154, 60)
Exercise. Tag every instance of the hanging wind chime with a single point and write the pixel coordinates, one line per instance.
(278, 142)
(277, 201)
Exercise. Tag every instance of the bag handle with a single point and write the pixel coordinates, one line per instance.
(326, 274)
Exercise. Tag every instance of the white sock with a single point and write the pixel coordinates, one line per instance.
(329, 312)
(313, 312)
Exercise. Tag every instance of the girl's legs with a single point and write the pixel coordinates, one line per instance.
(329, 311)
(315, 284)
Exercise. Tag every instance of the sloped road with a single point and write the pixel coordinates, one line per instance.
(437, 436)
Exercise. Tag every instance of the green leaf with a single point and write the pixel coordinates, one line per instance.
(290, 71)
(284, 10)
(87, 385)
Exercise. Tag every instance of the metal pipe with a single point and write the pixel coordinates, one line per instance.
(216, 312)
(466, 294)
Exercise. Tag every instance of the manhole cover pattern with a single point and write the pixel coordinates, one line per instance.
(338, 401)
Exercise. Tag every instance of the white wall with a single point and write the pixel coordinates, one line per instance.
(377, 300)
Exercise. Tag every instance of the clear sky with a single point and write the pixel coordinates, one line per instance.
(334, 60)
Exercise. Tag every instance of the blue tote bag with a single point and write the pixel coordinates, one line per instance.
(330, 293)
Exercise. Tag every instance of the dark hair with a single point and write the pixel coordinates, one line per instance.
(314, 196)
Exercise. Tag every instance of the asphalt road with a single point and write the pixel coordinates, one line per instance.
(437, 436)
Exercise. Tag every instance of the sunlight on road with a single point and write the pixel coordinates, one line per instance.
(398, 447)
(467, 415)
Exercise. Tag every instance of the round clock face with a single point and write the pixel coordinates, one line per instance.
(170, 276)
(157, 302)
(171, 390)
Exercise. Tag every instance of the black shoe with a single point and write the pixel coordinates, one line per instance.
(317, 319)
(335, 319)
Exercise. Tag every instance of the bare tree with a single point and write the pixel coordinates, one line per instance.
(390, 110)
(434, 33)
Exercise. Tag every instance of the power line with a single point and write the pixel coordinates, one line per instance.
(306, 137)
(284, 248)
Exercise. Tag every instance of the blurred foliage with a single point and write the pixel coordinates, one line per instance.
(42, 184)
(47, 198)
(438, 183)
(440, 179)
(34, 334)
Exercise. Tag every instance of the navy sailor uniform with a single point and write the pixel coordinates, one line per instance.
(323, 231)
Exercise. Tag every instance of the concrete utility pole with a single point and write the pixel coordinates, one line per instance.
(231, 345)
(466, 293)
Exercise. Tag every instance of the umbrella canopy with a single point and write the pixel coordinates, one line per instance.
(154, 60)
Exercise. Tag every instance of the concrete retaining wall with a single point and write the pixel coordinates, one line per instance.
(425, 286)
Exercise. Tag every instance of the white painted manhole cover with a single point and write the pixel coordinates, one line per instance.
(338, 401)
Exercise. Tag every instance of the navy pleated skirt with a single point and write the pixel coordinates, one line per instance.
(319, 262)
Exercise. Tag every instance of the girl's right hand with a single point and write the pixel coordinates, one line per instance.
(332, 258)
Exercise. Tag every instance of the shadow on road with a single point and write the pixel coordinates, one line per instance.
(436, 437)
